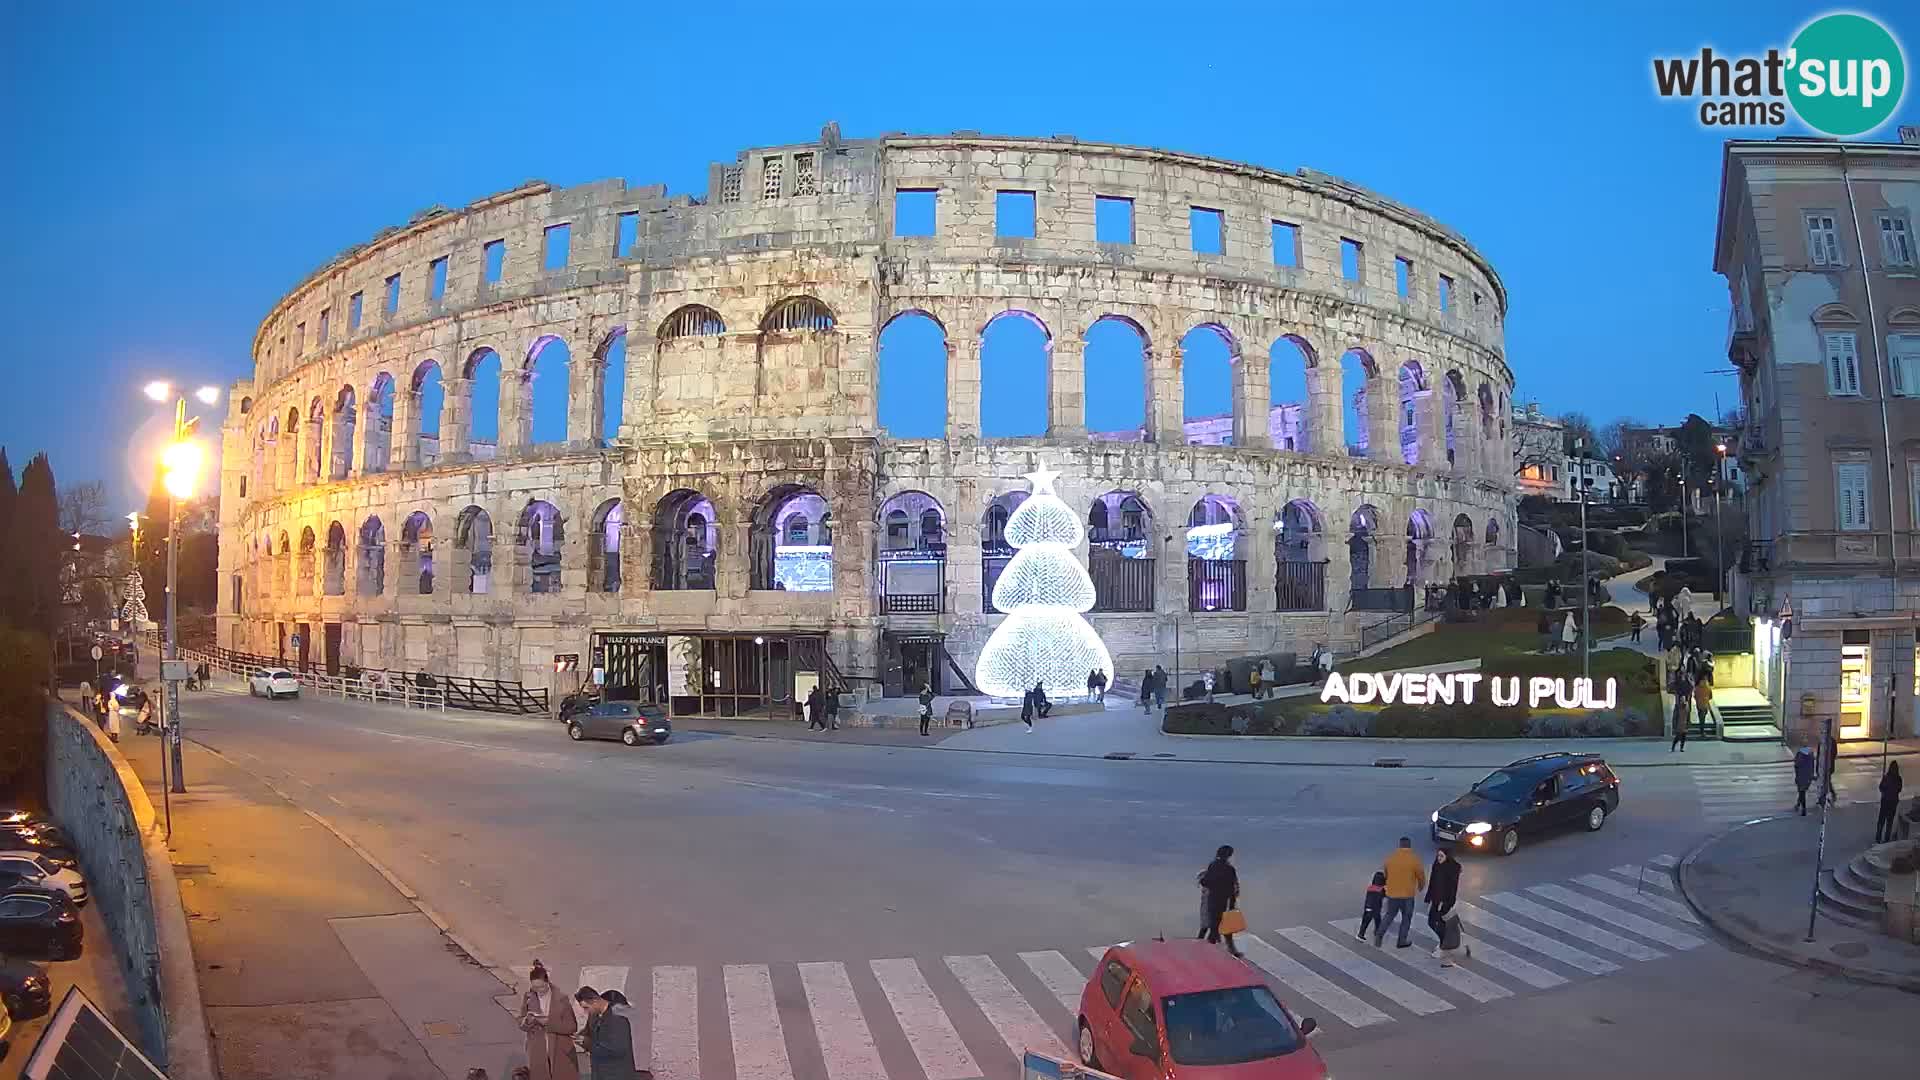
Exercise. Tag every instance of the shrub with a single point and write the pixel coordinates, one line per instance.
(1340, 720)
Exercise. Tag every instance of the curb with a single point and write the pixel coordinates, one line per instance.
(1856, 973)
(508, 979)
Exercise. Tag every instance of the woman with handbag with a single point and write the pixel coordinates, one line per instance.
(1220, 900)
(547, 1018)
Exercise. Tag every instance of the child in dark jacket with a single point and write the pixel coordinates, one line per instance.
(1376, 898)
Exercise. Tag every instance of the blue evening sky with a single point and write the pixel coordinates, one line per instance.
(172, 169)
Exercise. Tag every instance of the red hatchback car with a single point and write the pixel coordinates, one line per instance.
(1185, 1010)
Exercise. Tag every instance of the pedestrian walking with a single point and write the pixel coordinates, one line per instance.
(926, 707)
(815, 714)
(1830, 748)
(1375, 900)
(1219, 894)
(547, 1018)
(1146, 691)
(1890, 784)
(1097, 685)
(1443, 891)
(608, 1039)
(1026, 710)
(833, 709)
(1405, 877)
(1682, 718)
(1159, 687)
(1570, 633)
(1802, 776)
(1253, 682)
(1703, 700)
(1634, 625)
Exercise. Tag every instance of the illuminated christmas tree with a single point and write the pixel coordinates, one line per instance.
(1043, 590)
(134, 607)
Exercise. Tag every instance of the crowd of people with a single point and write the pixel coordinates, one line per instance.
(560, 1028)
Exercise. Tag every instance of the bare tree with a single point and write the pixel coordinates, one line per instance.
(1576, 425)
(83, 508)
(1613, 436)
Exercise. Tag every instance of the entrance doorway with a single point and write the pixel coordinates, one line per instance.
(1856, 684)
(333, 648)
(636, 666)
(302, 642)
(913, 661)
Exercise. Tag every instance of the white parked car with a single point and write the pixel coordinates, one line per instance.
(273, 683)
(33, 868)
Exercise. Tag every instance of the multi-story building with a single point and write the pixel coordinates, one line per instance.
(1637, 444)
(1816, 241)
(1539, 452)
(1597, 476)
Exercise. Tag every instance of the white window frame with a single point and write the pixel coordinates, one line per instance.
(1913, 495)
(1840, 359)
(1903, 364)
(1823, 238)
(1852, 497)
(1896, 238)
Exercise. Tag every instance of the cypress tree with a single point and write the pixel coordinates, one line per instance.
(37, 549)
(9, 564)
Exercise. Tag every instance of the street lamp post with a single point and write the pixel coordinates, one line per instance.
(1719, 533)
(181, 460)
(1583, 488)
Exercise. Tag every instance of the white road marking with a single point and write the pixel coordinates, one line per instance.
(1359, 968)
(1457, 977)
(1643, 876)
(1567, 924)
(1059, 975)
(1489, 923)
(676, 1025)
(1019, 1026)
(935, 1043)
(759, 1042)
(1672, 909)
(1625, 920)
(845, 1042)
(1305, 982)
(1500, 960)
(1664, 860)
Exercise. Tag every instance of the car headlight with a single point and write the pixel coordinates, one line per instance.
(1436, 817)
(1479, 828)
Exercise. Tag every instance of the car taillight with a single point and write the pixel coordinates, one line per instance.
(68, 916)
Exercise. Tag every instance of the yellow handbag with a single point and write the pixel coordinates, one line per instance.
(1233, 922)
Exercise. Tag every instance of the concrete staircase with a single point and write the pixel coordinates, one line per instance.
(1747, 723)
(1856, 893)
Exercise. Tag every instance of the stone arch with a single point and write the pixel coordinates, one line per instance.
(610, 383)
(537, 539)
(1462, 548)
(686, 539)
(333, 575)
(485, 424)
(603, 547)
(913, 554)
(1208, 355)
(345, 426)
(1454, 398)
(427, 401)
(798, 314)
(995, 551)
(1290, 423)
(912, 521)
(246, 405)
(473, 545)
(1121, 550)
(1116, 386)
(316, 432)
(691, 320)
(1216, 561)
(1016, 375)
(373, 557)
(376, 442)
(283, 566)
(790, 540)
(544, 390)
(303, 580)
(1358, 370)
(1300, 557)
(258, 467)
(1363, 535)
(1419, 547)
(911, 400)
(286, 474)
(416, 549)
(1485, 396)
(1413, 383)
(1495, 554)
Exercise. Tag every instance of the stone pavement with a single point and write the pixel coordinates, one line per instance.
(1754, 883)
(314, 962)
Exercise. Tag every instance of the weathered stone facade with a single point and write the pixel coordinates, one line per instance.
(751, 323)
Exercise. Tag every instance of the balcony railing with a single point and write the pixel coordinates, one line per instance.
(1216, 584)
(1122, 584)
(1300, 586)
(990, 567)
(1400, 599)
(913, 582)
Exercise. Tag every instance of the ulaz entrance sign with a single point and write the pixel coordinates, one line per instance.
(1447, 688)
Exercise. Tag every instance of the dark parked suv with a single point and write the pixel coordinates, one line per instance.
(1531, 796)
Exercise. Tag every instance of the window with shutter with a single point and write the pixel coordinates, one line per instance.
(1823, 240)
(1843, 364)
(1903, 364)
(1896, 244)
(1850, 485)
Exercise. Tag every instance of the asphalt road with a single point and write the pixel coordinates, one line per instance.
(754, 875)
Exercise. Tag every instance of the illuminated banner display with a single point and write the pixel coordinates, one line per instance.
(1447, 688)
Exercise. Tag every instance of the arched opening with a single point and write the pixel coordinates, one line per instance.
(1454, 400)
(303, 580)
(1486, 411)
(1357, 370)
(1495, 557)
(333, 578)
(912, 398)
(377, 443)
(290, 451)
(691, 320)
(260, 458)
(1206, 386)
(246, 405)
(416, 540)
(544, 390)
(1216, 568)
(798, 314)
(283, 566)
(995, 551)
(373, 557)
(430, 401)
(603, 547)
(483, 396)
(1120, 552)
(913, 555)
(1116, 380)
(685, 540)
(791, 541)
(473, 543)
(1288, 398)
(1362, 532)
(1300, 558)
(1462, 547)
(537, 539)
(1413, 382)
(1015, 376)
(613, 383)
(316, 433)
(345, 422)
(1419, 543)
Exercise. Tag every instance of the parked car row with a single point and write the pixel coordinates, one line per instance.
(41, 892)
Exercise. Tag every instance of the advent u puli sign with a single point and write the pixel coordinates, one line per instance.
(1438, 688)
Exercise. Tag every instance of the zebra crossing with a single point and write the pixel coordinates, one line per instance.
(970, 1017)
(1732, 795)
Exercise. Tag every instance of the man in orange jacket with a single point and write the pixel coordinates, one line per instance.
(1405, 878)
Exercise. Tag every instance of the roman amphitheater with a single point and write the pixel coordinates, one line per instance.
(726, 446)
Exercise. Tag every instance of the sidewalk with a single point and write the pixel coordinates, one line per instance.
(1753, 884)
(312, 963)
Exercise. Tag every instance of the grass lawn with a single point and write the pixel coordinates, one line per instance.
(1510, 633)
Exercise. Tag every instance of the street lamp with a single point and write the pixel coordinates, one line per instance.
(1582, 488)
(1719, 533)
(181, 462)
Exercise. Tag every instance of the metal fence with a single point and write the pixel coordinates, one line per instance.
(1122, 584)
(1216, 584)
(1381, 600)
(1300, 586)
(389, 686)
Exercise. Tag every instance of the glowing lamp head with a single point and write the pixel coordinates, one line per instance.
(182, 464)
(158, 390)
(207, 394)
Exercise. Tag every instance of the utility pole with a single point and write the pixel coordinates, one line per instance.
(1582, 487)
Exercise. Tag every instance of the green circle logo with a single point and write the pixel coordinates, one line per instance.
(1848, 75)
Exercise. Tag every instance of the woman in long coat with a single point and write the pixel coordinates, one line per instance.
(546, 1015)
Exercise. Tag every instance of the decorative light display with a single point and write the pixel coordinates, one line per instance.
(134, 608)
(1043, 590)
